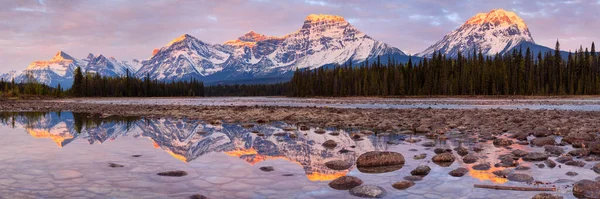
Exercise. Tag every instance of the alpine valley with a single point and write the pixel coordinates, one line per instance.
(253, 58)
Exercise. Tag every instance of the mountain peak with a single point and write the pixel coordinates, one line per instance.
(61, 56)
(179, 39)
(323, 17)
(497, 17)
(249, 39)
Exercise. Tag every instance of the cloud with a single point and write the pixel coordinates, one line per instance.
(36, 29)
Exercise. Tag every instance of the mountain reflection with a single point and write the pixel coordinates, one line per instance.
(186, 139)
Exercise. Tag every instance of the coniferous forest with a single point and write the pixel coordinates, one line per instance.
(518, 73)
(280, 89)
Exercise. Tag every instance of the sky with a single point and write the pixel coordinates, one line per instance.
(130, 29)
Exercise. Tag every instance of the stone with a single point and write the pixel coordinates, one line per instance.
(443, 159)
(421, 170)
(115, 165)
(575, 163)
(535, 156)
(502, 142)
(469, 159)
(482, 167)
(579, 152)
(405, 184)
(522, 168)
(345, 183)
(329, 144)
(267, 169)
(320, 131)
(198, 196)
(571, 173)
(420, 156)
(439, 150)
(379, 161)
(519, 177)
(586, 189)
(459, 172)
(546, 196)
(502, 173)
(541, 141)
(565, 158)
(550, 163)
(66, 174)
(462, 151)
(554, 150)
(413, 178)
(176, 173)
(519, 153)
(507, 160)
(428, 144)
(368, 191)
(596, 168)
(338, 165)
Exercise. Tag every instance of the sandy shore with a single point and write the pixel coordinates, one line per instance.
(493, 121)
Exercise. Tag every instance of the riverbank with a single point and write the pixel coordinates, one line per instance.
(560, 122)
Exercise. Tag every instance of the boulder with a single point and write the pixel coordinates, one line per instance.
(443, 159)
(535, 156)
(482, 167)
(554, 150)
(345, 183)
(459, 172)
(596, 168)
(541, 141)
(519, 153)
(329, 144)
(405, 184)
(368, 191)
(469, 159)
(519, 177)
(502, 142)
(338, 165)
(421, 170)
(550, 163)
(379, 161)
(546, 196)
(586, 189)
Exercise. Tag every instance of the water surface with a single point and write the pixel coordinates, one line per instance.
(65, 155)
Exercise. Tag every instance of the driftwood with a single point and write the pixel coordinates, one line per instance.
(514, 188)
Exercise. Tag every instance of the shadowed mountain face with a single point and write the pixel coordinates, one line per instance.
(186, 140)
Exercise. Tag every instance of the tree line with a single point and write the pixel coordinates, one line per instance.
(95, 85)
(29, 87)
(517, 73)
(279, 89)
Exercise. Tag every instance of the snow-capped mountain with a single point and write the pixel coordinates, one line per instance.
(59, 69)
(323, 40)
(107, 66)
(498, 31)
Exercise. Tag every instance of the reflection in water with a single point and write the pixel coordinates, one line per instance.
(186, 140)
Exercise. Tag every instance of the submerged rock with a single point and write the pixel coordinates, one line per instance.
(535, 156)
(403, 185)
(462, 151)
(586, 189)
(519, 177)
(338, 165)
(502, 142)
(575, 163)
(519, 153)
(379, 161)
(443, 159)
(546, 196)
(177, 173)
(267, 169)
(345, 183)
(198, 196)
(469, 159)
(459, 172)
(554, 150)
(420, 156)
(550, 163)
(368, 191)
(115, 165)
(413, 178)
(421, 170)
(596, 168)
(571, 173)
(482, 167)
(329, 144)
(541, 141)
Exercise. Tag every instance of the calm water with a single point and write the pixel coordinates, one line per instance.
(579, 104)
(65, 155)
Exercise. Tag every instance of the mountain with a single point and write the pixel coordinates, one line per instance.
(498, 31)
(323, 40)
(59, 69)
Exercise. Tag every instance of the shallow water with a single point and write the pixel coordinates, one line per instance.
(578, 104)
(67, 155)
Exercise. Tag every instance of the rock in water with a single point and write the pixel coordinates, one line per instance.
(368, 191)
(345, 183)
(443, 159)
(536, 156)
(596, 168)
(422, 170)
(586, 189)
(519, 177)
(469, 159)
(502, 142)
(482, 167)
(338, 165)
(459, 172)
(379, 161)
(267, 169)
(546, 196)
(177, 173)
(329, 144)
(403, 185)
(543, 141)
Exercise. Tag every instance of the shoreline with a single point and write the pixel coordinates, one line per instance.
(560, 122)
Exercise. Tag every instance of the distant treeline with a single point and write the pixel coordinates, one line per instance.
(516, 73)
(280, 89)
(94, 85)
(8, 88)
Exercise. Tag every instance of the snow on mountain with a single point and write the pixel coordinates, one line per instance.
(323, 40)
(498, 31)
(107, 66)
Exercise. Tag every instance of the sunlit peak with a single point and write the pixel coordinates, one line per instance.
(179, 39)
(324, 17)
(498, 17)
